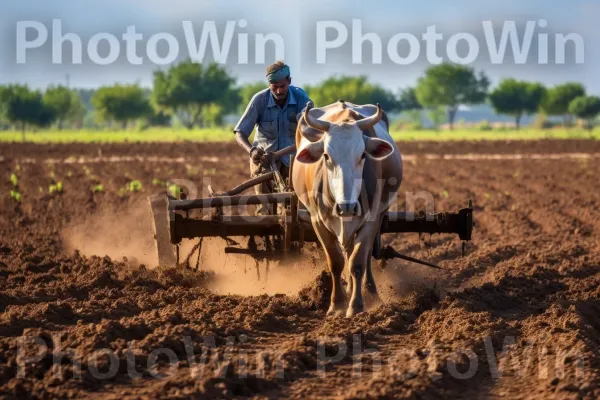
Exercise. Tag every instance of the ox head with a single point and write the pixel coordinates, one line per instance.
(344, 148)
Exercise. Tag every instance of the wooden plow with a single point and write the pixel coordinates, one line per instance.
(284, 232)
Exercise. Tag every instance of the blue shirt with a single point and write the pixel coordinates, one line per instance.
(276, 126)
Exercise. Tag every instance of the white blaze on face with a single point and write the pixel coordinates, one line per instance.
(343, 149)
(345, 159)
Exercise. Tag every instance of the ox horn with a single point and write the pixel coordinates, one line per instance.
(369, 122)
(317, 124)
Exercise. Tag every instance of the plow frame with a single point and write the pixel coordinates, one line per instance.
(287, 228)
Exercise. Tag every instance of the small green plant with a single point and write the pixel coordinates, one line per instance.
(158, 182)
(445, 193)
(175, 190)
(135, 186)
(15, 195)
(98, 189)
(55, 188)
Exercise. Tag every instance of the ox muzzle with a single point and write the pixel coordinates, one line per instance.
(347, 209)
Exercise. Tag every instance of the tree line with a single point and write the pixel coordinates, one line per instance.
(200, 95)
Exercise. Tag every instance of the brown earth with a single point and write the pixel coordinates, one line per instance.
(86, 314)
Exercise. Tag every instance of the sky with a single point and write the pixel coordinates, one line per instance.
(297, 24)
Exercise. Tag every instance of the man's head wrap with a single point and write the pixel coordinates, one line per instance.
(278, 74)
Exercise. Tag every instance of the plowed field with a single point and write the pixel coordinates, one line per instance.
(85, 312)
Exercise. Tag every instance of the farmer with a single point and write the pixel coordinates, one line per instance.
(275, 110)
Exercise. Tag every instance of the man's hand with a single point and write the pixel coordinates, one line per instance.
(265, 160)
(256, 155)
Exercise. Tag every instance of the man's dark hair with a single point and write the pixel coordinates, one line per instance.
(277, 65)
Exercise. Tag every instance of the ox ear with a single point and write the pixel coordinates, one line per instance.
(311, 153)
(377, 149)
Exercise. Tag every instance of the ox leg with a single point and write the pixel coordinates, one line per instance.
(358, 263)
(372, 296)
(370, 281)
(335, 262)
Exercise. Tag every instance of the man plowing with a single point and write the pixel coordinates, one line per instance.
(274, 111)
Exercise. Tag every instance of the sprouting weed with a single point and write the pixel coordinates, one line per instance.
(15, 195)
(55, 188)
(98, 189)
(135, 186)
(175, 190)
(14, 180)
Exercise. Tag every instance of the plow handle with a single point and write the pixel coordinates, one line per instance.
(283, 152)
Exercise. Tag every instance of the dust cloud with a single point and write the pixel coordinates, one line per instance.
(238, 274)
(116, 234)
(128, 235)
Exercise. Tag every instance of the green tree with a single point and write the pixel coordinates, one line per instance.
(517, 98)
(21, 106)
(212, 115)
(64, 102)
(586, 108)
(159, 118)
(188, 88)
(436, 115)
(120, 103)
(355, 89)
(557, 100)
(410, 106)
(449, 85)
(407, 100)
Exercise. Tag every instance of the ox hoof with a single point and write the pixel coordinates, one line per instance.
(353, 310)
(336, 309)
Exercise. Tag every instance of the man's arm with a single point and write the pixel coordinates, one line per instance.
(246, 125)
(243, 141)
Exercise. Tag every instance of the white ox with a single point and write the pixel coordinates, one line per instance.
(347, 172)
